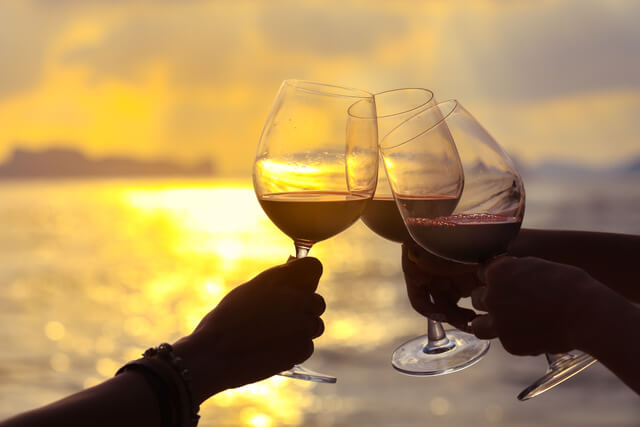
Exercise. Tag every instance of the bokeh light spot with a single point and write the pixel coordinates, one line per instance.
(439, 406)
(59, 362)
(54, 330)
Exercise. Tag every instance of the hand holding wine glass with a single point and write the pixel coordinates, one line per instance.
(527, 316)
(316, 166)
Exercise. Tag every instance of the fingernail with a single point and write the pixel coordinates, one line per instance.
(413, 257)
(467, 327)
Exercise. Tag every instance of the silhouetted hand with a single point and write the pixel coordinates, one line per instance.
(259, 329)
(535, 306)
(435, 285)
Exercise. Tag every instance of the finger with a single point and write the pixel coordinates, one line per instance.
(483, 327)
(465, 283)
(301, 273)
(310, 326)
(319, 328)
(418, 278)
(293, 328)
(409, 265)
(453, 314)
(419, 297)
(461, 318)
(410, 249)
(281, 355)
(479, 298)
(487, 271)
(317, 305)
(302, 351)
(287, 302)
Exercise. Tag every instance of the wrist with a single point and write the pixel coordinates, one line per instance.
(205, 380)
(600, 315)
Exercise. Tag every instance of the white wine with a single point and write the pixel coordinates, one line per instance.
(312, 216)
(471, 238)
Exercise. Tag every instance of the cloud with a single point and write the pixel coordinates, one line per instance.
(597, 128)
(24, 38)
(550, 49)
(349, 29)
(196, 44)
(195, 78)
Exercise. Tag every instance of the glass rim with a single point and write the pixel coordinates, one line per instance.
(422, 89)
(444, 117)
(314, 87)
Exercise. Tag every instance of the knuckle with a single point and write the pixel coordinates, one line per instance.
(320, 303)
(513, 347)
(314, 266)
(320, 328)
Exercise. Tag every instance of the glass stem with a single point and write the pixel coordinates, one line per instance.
(437, 341)
(555, 359)
(302, 248)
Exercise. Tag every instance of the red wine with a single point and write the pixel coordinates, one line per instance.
(312, 216)
(471, 238)
(383, 217)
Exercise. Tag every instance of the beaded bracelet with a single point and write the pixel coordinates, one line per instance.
(165, 352)
(173, 388)
(164, 397)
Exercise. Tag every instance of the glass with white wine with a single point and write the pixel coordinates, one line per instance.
(316, 166)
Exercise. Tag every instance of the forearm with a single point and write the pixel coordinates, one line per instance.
(612, 259)
(608, 330)
(125, 400)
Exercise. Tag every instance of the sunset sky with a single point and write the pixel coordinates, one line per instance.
(195, 79)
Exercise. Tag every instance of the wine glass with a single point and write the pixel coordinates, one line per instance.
(392, 108)
(316, 167)
(488, 215)
(382, 216)
(427, 180)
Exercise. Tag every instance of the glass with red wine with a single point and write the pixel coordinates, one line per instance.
(488, 214)
(393, 107)
(383, 217)
(316, 167)
(427, 181)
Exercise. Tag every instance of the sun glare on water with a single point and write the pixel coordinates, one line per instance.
(124, 265)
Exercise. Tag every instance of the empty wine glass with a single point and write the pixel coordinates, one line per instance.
(316, 167)
(427, 180)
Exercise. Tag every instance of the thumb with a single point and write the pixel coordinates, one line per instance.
(483, 327)
(301, 273)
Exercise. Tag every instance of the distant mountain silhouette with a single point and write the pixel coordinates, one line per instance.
(634, 166)
(68, 163)
(560, 168)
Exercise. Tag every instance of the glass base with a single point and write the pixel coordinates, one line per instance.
(413, 358)
(299, 372)
(560, 371)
